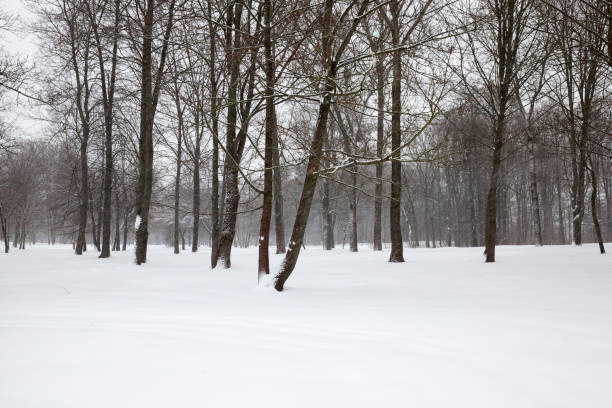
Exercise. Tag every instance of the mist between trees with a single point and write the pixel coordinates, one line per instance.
(286, 124)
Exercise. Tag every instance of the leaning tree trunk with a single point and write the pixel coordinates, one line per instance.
(397, 247)
(320, 133)
(310, 183)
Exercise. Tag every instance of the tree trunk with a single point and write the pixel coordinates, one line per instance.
(594, 198)
(397, 247)
(346, 141)
(235, 145)
(4, 231)
(179, 163)
(310, 183)
(125, 230)
(326, 214)
(266, 212)
(533, 190)
(215, 141)
(148, 103)
(279, 219)
(145, 141)
(84, 194)
(380, 140)
(491, 212)
(195, 236)
(232, 195)
(117, 242)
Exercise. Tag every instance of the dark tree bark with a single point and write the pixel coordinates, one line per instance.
(312, 170)
(491, 211)
(195, 236)
(117, 241)
(230, 176)
(346, 142)
(594, 197)
(125, 229)
(327, 215)
(4, 230)
(149, 96)
(108, 93)
(83, 93)
(279, 218)
(270, 131)
(380, 140)
(397, 247)
(235, 143)
(509, 31)
(215, 140)
(179, 163)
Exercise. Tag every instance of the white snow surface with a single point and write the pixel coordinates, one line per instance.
(443, 329)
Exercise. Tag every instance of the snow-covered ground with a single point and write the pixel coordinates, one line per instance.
(351, 330)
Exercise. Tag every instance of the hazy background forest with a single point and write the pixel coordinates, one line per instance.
(222, 123)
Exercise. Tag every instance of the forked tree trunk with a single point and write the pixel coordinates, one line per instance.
(148, 103)
(108, 93)
(266, 212)
(230, 176)
(235, 146)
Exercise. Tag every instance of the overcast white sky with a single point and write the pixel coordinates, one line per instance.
(18, 42)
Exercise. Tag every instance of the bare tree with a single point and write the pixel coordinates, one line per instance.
(149, 96)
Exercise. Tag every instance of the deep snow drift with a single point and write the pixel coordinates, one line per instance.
(351, 330)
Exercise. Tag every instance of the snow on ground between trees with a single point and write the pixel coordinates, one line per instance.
(443, 329)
